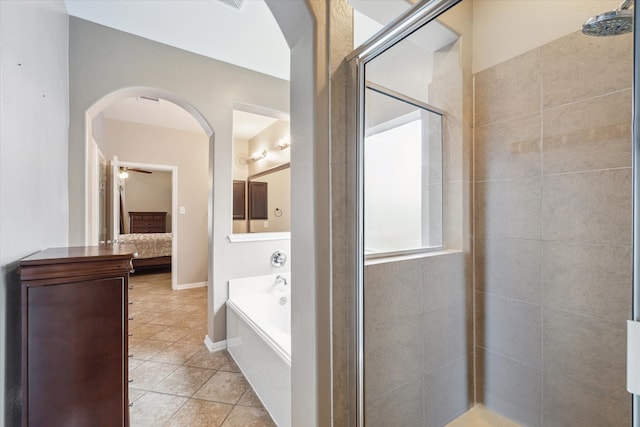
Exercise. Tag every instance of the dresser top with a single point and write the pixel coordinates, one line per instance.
(78, 253)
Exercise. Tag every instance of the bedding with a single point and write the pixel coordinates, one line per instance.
(149, 245)
(153, 250)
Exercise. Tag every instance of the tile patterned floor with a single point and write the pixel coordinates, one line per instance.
(176, 381)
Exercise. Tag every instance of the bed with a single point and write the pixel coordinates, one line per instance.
(153, 245)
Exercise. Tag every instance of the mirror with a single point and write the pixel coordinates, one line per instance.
(261, 173)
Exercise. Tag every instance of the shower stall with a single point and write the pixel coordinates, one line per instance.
(493, 178)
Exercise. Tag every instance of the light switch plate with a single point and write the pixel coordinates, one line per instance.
(183, 210)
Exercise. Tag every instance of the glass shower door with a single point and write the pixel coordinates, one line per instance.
(514, 306)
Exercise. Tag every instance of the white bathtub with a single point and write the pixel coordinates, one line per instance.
(259, 339)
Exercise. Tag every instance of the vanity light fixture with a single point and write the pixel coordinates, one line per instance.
(258, 155)
(283, 143)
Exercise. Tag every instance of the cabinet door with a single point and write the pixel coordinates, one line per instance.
(76, 353)
(238, 199)
(258, 200)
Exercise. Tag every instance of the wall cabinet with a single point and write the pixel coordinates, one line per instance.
(74, 336)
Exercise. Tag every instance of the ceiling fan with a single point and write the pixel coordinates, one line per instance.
(124, 171)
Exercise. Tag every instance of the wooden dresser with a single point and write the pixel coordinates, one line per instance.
(74, 336)
(147, 222)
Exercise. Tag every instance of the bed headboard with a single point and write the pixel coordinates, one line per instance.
(147, 222)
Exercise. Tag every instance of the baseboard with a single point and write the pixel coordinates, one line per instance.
(214, 346)
(191, 285)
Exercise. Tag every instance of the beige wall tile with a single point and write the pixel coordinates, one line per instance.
(342, 364)
(584, 84)
(509, 149)
(446, 88)
(400, 407)
(393, 355)
(510, 328)
(508, 208)
(509, 90)
(577, 67)
(447, 281)
(448, 335)
(587, 135)
(588, 207)
(590, 351)
(570, 403)
(590, 280)
(393, 291)
(448, 391)
(457, 214)
(509, 268)
(458, 145)
(509, 388)
(453, 151)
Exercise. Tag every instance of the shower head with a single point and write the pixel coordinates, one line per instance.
(619, 21)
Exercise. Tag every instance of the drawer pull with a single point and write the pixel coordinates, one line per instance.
(130, 302)
(130, 288)
(130, 354)
(130, 404)
(130, 334)
(130, 381)
(131, 318)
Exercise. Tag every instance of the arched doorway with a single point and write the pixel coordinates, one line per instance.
(309, 123)
(94, 213)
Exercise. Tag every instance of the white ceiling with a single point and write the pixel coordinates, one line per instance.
(248, 37)
(160, 113)
(247, 125)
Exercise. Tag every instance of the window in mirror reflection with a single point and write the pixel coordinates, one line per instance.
(261, 156)
(402, 175)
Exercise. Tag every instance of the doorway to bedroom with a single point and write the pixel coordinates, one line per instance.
(156, 192)
(144, 214)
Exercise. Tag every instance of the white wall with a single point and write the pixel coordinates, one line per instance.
(138, 143)
(240, 172)
(279, 197)
(503, 29)
(34, 78)
(266, 140)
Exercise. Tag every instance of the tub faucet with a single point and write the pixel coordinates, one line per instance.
(280, 279)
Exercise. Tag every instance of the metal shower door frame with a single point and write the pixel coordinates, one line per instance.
(635, 415)
(397, 30)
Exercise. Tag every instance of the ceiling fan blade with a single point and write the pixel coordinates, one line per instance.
(138, 170)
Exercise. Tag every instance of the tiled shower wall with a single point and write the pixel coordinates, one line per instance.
(418, 341)
(419, 311)
(552, 209)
